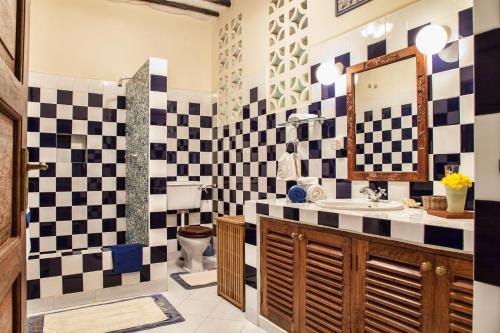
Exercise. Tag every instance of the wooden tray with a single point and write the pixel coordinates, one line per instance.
(468, 214)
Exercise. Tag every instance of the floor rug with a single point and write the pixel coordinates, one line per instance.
(125, 316)
(196, 280)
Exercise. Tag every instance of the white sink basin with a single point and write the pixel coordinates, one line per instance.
(359, 204)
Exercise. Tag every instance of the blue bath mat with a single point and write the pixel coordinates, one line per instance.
(138, 309)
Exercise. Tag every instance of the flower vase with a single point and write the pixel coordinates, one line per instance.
(456, 199)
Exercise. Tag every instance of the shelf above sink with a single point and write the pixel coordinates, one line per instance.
(360, 204)
(296, 123)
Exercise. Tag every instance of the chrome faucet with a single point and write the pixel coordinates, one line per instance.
(373, 195)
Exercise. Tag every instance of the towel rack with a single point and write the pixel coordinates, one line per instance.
(296, 123)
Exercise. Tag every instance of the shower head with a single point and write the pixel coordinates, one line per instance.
(121, 80)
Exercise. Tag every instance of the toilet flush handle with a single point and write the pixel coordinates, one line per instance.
(205, 188)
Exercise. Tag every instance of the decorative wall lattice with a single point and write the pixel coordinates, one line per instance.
(230, 71)
(288, 74)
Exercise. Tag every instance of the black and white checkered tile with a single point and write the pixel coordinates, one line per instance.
(487, 214)
(189, 155)
(157, 173)
(387, 141)
(245, 152)
(73, 271)
(423, 233)
(78, 128)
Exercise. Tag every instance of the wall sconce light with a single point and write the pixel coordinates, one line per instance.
(328, 72)
(431, 39)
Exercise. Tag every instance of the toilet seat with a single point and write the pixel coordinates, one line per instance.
(194, 231)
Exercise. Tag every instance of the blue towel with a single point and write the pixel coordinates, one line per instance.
(209, 251)
(28, 217)
(297, 194)
(126, 258)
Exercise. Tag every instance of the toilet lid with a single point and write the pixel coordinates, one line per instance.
(194, 231)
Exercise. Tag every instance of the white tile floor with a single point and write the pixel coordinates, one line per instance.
(203, 311)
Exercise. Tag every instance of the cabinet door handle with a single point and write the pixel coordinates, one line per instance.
(301, 237)
(293, 235)
(425, 266)
(441, 270)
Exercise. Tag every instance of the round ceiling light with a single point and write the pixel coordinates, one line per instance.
(328, 72)
(431, 39)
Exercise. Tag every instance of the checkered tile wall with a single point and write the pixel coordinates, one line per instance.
(487, 217)
(158, 103)
(387, 140)
(78, 128)
(189, 154)
(75, 271)
(245, 152)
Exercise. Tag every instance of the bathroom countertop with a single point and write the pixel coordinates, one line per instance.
(409, 224)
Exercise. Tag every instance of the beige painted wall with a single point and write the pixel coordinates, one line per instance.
(323, 25)
(105, 40)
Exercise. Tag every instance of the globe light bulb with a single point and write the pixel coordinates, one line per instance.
(431, 39)
(328, 72)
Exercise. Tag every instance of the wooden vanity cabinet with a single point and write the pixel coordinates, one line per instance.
(453, 295)
(324, 275)
(319, 280)
(403, 289)
(305, 277)
(280, 273)
(393, 289)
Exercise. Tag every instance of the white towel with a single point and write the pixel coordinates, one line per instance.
(315, 192)
(305, 182)
(298, 165)
(289, 167)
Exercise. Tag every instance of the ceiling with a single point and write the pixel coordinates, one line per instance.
(200, 9)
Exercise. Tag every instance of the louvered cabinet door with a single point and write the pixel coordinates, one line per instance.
(326, 267)
(279, 273)
(453, 295)
(394, 291)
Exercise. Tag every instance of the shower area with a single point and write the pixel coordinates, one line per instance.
(105, 148)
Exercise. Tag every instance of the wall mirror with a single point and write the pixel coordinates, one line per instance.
(387, 118)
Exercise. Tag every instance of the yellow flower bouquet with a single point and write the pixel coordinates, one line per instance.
(456, 191)
(457, 181)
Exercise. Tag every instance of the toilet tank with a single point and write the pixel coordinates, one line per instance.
(183, 195)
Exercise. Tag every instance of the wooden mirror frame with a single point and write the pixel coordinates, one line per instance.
(422, 172)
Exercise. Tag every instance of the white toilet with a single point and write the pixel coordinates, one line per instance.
(182, 196)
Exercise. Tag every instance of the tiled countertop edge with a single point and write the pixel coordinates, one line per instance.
(419, 228)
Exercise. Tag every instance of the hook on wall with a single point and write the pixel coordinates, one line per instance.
(295, 142)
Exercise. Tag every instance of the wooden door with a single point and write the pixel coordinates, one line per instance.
(453, 295)
(325, 260)
(393, 289)
(13, 104)
(279, 271)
